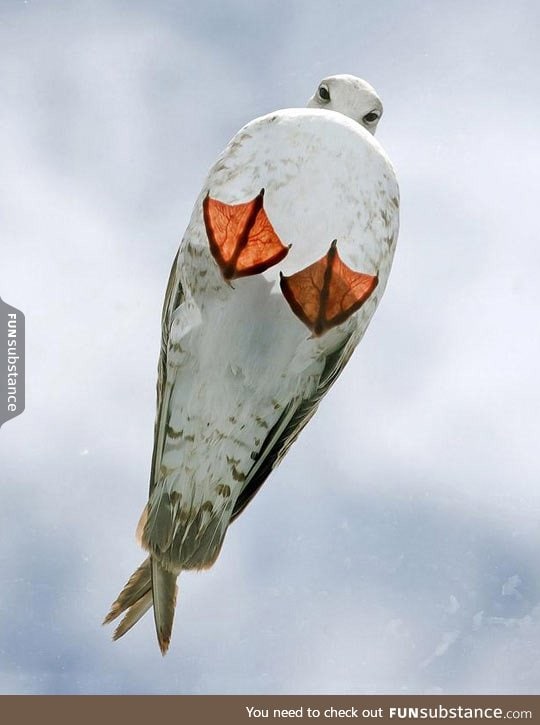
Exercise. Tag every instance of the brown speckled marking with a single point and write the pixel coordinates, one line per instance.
(171, 433)
(238, 475)
(184, 516)
(190, 438)
(207, 506)
(232, 419)
(261, 422)
(233, 461)
(223, 490)
(195, 251)
(239, 443)
(175, 497)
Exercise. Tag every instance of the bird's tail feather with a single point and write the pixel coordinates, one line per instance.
(134, 613)
(149, 584)
(164, 592)
(137, 587)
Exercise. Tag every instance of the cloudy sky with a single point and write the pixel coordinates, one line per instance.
(398, 556)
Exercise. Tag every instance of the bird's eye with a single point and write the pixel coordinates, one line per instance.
(324, 93)
(371, 117)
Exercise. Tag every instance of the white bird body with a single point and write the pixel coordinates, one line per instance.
(240, 373)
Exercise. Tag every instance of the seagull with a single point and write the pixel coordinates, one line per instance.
(280, 270)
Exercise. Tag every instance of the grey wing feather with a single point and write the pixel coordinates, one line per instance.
(290, 424)
(174, 296)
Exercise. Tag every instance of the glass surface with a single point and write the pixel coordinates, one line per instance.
(396, 548)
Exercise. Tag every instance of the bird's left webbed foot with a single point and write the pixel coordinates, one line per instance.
(327, 292)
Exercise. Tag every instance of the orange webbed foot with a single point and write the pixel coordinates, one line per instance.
(327, 293)
(241, 237)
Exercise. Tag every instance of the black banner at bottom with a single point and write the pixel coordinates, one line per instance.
(239, 709)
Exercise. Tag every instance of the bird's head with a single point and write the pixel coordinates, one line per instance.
(351, 96)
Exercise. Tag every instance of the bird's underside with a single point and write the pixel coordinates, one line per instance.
(261, 314)
(323, 295)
